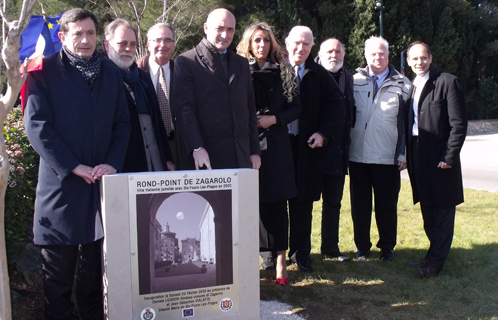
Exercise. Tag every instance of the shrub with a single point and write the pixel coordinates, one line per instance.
(21, 187)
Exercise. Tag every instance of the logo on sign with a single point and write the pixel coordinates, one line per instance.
(148, 314)
(226, 304)
(187, 313)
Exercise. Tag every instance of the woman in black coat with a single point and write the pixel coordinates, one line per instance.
(275, 92)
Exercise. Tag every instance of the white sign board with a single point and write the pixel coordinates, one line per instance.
(181, 245)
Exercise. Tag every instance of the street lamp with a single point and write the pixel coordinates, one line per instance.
(379, 5)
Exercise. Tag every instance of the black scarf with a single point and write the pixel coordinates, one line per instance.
(138, 86)
(90, 69)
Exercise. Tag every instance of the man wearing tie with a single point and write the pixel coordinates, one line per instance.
(158, 63)
(377, 152)
(214, 101)
(436, 129)
(321, 102)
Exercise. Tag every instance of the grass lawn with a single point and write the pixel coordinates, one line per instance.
(467, 288)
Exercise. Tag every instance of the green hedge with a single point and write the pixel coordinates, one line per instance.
(21, 188)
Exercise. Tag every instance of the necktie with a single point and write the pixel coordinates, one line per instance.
(224, 62)
(162, 96)
(293, 127)
(298, 77)
(376, 86)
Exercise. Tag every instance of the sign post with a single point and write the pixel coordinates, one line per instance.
(181, 245)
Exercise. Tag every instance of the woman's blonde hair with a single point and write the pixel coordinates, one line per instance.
(277, 54)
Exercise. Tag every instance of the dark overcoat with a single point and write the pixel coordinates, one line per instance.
(276, 174)
(68, 123)
(143, 63)
(321, 108)
(215, 110)
(136, 158)
(337, 150)
(442, 127)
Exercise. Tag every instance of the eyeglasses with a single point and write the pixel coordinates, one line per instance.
(162, 41)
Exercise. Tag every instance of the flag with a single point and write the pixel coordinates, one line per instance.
(40, 36)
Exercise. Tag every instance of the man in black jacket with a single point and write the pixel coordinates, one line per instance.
(331, 57)
(213, 100)
(436, 129)
(161, 42)
(148, 149)
(309, 134)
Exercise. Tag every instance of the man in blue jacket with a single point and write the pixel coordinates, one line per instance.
(76, 119)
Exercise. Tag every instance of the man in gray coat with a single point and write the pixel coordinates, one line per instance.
(377, 152)
(213, 100)
(77, 120)
(436, 129)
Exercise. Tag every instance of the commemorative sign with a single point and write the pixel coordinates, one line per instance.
(181, 245)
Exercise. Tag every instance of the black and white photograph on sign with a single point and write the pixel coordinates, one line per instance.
(184, 240)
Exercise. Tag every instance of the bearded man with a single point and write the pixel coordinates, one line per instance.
(148, 148)
(331, 57)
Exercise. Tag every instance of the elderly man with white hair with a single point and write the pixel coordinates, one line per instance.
(309, 134)
(331, 57)
(377, 152)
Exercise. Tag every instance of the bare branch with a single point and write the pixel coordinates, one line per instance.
(4, 16)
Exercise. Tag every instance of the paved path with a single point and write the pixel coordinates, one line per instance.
(479, 158)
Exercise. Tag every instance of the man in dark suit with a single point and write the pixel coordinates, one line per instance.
(161, 45)
(213, 100)
(331, 57)
(76, 119)
(436, 130)
(148, 149)
(321, 102)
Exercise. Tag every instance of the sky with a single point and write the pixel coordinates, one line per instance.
(191, 205)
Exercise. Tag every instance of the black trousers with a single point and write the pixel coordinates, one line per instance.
(59, 265)
(439, 223)
(274, 231)
(301, 216)
(386, 182)
(333, 187)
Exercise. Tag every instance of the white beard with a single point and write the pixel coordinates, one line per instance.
(116, 58)
(333, 65)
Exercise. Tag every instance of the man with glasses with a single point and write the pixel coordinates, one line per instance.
(161, 45)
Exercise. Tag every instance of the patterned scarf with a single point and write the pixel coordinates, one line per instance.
(90, 69)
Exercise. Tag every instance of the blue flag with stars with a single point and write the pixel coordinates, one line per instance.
(38, 30)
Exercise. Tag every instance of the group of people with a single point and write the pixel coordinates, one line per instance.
(301, 122)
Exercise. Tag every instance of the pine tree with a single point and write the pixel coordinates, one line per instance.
(363, 27)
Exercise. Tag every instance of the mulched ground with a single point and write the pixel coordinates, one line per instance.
(26, 296)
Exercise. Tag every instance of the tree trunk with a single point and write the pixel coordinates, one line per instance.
(10, 56)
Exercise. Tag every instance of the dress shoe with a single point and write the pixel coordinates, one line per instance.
(428, 272)
(418, 264)
(386, 255)
(337, 255)
(282, 282)
(304, 265)
(268, 264)
(362, 254)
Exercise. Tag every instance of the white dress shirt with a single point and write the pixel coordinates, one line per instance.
(418, 85)
(154, 69)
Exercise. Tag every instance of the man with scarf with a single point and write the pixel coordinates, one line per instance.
(76, 119)
(331, 57)
(148, 149)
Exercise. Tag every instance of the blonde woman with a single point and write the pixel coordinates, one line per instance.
(277, 105)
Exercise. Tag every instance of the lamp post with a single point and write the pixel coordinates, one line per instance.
(379, 5)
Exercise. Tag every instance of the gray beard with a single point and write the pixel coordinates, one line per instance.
(116, 58)
(338, 65)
